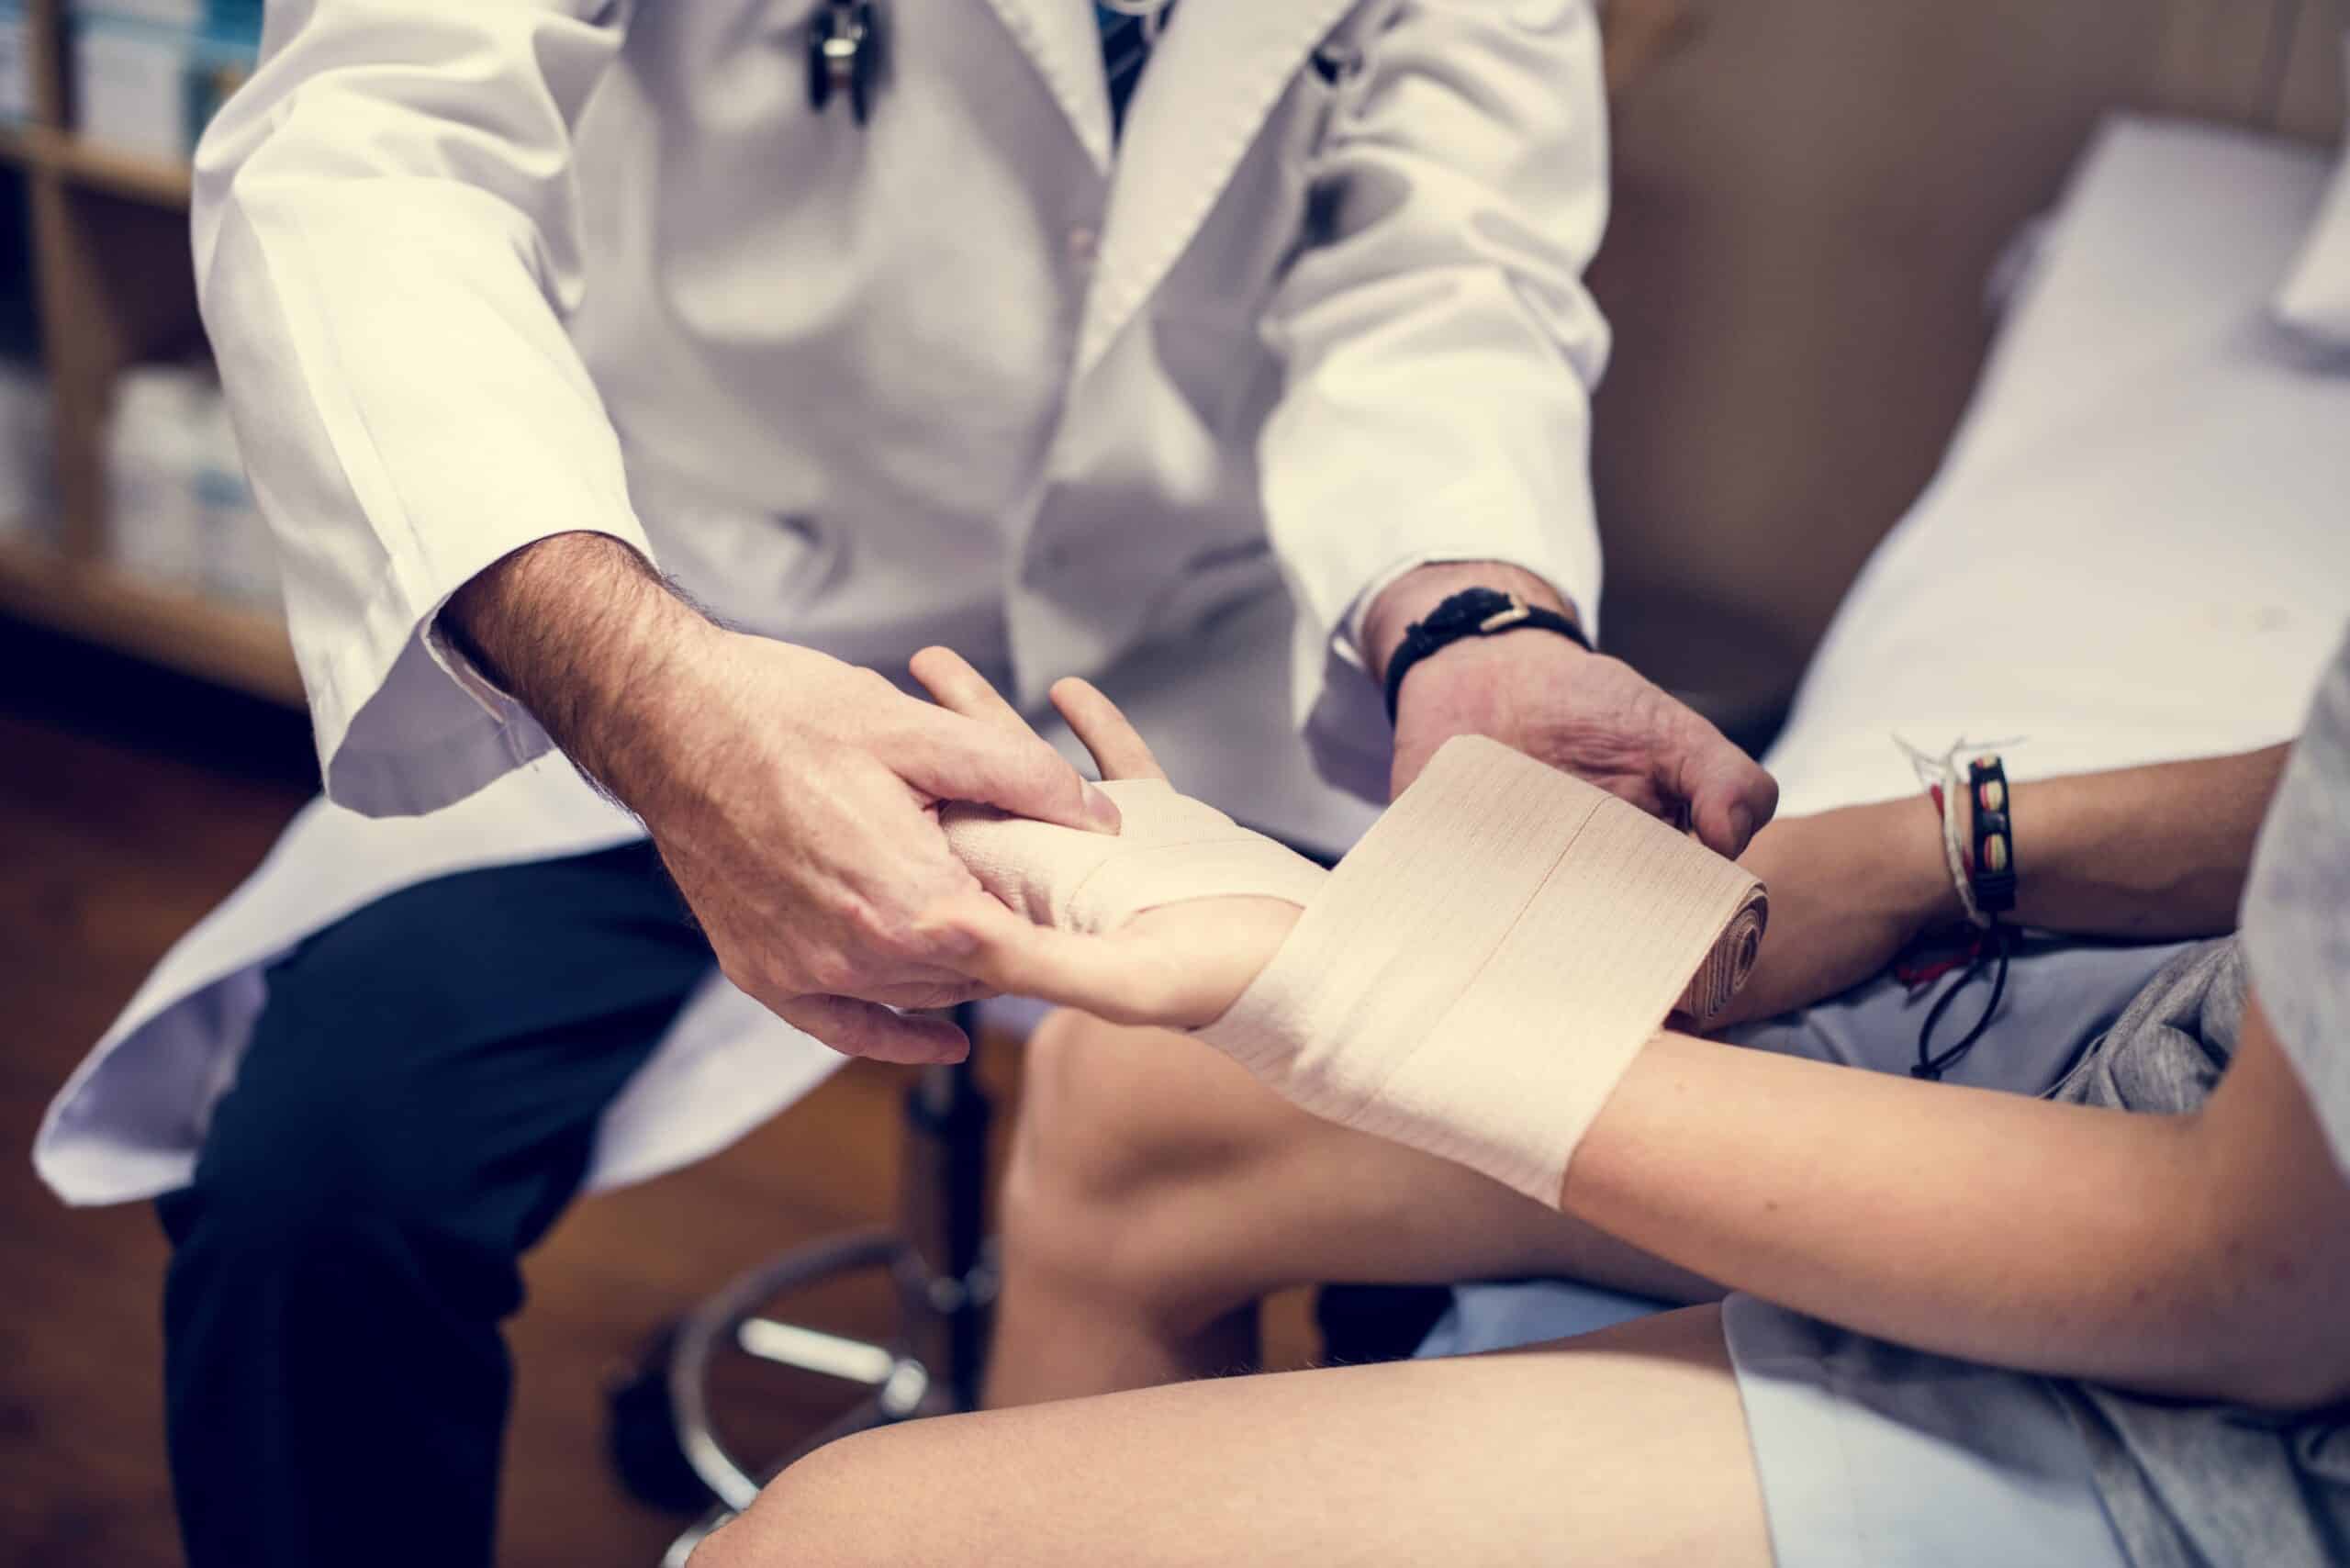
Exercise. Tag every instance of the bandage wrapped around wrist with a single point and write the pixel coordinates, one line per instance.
(1169, 848)
(1478, 973)
(1470, 982)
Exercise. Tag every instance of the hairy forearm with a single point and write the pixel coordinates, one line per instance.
(2150, 852)
(1997, 1227)
(581, 631)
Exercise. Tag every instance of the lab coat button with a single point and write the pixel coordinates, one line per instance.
(1084, 245)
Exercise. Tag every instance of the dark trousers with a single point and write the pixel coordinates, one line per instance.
(419, 1104)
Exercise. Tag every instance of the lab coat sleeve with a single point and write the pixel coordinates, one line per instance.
(1439, 346)
(386, 243)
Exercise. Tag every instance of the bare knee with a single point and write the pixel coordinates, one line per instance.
(1123, 1134)
(1088, 1133)
(831, 1509)
(815, 1514)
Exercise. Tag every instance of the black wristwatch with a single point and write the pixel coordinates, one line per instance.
(1473, 612)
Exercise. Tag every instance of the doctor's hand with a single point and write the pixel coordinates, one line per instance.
(791, 796)
(1582, 712)
(1176, 967)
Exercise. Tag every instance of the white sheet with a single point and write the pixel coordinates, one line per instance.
(2138, 546)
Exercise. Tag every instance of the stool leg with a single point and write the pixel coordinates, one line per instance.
(943, 1218)
(946, 1284)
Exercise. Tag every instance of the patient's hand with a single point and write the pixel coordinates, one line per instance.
(1850, 890)
(1178, 965)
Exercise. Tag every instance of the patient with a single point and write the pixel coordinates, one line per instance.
(2163, 1288)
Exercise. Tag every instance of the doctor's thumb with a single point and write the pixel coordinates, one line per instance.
(1730, 798)
(955, 759)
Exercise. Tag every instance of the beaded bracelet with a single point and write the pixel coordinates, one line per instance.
(1991, 871)
(1986, 881)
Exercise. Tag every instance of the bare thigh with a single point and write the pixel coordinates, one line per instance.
(1625, 1447)
(1622, 1446)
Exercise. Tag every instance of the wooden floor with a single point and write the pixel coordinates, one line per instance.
(127, 807)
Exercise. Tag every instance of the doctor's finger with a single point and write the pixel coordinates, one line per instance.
(866, 1029)
(1119, 750)
(933, 988)
(948, 677)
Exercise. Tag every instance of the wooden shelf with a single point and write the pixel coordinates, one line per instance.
(156, 182)
(242, 648)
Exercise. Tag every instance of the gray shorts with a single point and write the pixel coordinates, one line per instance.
(1889, 1458)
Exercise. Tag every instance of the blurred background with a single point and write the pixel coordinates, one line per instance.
(1813, 198)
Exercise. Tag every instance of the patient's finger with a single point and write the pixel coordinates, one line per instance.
(1118, 751)
(1104, 977)
(948, 677)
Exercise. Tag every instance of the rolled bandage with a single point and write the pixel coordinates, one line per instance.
(1169, 848)
(1478, 973)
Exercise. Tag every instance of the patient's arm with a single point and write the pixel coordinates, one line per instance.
(2152, 852)
(2206, 1254)
(2149, 853)
(2202, 1255)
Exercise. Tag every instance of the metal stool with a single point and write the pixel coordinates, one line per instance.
(944, 1271)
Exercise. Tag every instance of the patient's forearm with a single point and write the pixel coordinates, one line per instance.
(2143, 852)
(1996, 1228)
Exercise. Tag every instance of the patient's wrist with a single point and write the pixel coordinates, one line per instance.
(1921, 868)
(1480, 968)
(1928, 869)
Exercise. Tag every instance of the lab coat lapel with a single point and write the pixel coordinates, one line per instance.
(1208, 88)
(1064, 41)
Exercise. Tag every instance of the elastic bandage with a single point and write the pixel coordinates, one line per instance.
(1168, 849)
(1479, 971)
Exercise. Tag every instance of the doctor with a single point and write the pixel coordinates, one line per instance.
(609, 398)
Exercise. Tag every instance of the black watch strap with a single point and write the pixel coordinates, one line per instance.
(1473, 612)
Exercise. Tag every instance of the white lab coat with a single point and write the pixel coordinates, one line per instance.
(480, 273)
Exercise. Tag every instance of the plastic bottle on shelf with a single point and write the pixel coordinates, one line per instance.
(149, 74)
(154, 524)
(16, 63)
